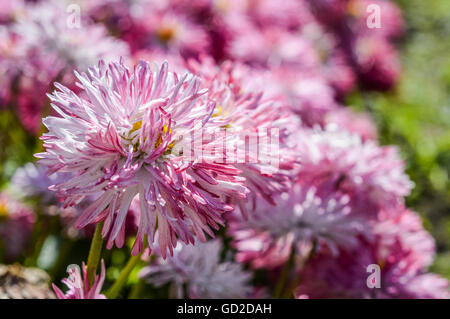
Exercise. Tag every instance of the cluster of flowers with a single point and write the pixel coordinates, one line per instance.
(141, 149)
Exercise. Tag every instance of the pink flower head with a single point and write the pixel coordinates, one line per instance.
(49, 47)
(272, 47)
(161, 27)
(263, 124)
(391, 22)
(337, 160)
(133, 132)
(355, 123)
(32, 181)
(16, 225)
(346, 277)
(78, 284)
(48, 35)
(200, 269)
(377, 62)
(10, 9)
(401, 249)
(334, 63)
(300, 218)
(291, 14)
(403, 227)
(307, 93)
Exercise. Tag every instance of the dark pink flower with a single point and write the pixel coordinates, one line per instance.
(377, 61)
(401, 250)
(159, 26)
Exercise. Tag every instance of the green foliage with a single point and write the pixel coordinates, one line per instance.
(16, 145)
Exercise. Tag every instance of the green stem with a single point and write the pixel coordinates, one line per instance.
(284, 275)
(115, 289)
(95, 253)
(136, 290)
(296, 282)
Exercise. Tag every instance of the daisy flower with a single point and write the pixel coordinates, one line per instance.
(157, 25)
(32, 181)
(401, 249)
(306, 92)
(355, 123)
(338, 160)
(301, 218)
(138, 132)
(46, 33)
(200, 270)
(262, 123)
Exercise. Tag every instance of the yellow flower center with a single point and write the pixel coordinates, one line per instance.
(136, 126)
(219, 111)
(166, 34)
(159, 140)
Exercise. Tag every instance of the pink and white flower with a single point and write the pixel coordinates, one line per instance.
(262, 122)
(301, 218)
(156, 25)
(345, 119)
(78, 284)
(401, 248)
(200, 269)
(337, 160)
(122, 136)
(32, 181)
(46, 34)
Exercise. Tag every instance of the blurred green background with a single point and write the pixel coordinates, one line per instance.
(415, 116)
